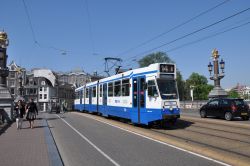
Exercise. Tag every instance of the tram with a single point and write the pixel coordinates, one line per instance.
(143, 96)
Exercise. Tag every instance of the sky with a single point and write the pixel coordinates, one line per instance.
(64, 35)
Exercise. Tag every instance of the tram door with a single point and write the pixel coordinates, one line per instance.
(90, 99)
(104, 99)
(80, 95)
(105, 94)
(138, 97)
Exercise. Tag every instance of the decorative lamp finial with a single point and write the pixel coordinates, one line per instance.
(215, 53)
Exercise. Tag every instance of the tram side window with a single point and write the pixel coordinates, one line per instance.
(110, 89)
(100, 91)
(125, 87)
(118, 88)
(94, 91)
(77, 95)
(87, 92)
(83, 93)
(152, 90)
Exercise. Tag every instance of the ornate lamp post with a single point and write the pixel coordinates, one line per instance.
(6, 101)
(217, 76)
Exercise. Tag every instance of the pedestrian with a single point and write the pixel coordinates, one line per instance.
(20, 111)
(31, 113)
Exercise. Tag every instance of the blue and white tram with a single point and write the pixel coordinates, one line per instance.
(141, 95)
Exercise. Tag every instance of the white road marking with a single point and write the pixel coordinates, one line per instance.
(164, 143)
(91, 143)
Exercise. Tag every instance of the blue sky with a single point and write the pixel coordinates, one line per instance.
(90, 30)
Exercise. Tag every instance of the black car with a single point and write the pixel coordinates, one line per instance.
(226, 108)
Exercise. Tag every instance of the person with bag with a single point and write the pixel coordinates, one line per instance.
(31, 113)
(20, 111)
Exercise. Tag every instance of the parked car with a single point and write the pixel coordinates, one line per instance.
(226, 108)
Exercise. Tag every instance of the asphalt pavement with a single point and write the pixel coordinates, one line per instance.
(74, 140)
(84, 141)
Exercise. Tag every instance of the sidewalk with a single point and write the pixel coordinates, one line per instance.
(28, 147)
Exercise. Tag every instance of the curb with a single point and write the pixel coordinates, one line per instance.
(54, 155)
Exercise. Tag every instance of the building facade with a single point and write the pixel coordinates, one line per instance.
(15, 79)
(76, 78)
(49, 89)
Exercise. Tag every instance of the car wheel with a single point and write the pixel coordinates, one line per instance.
(245, 117)
(203, 114)
(228, 116)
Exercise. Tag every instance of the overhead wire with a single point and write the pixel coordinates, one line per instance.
(225, 30)
(189, 34)
(62, 51)
(207, 37)
(30, 24)
(174, 28)
(90, 28)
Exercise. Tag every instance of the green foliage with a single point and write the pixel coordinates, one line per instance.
(233, 94)
(161, 57)
(158, 57)
(200, 86)
(181, 86)
(200, 82)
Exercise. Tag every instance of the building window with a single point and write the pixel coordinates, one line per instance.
(34, 91)
(41, 89)
(45, 96)
(12, 83)
(31, 82)
(41, 96)
(45, 89)
(12, 91)
(43, 83)
(12, 75)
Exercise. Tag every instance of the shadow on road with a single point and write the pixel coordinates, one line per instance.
(180, 124)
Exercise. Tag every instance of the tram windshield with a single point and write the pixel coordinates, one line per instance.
(167, 88)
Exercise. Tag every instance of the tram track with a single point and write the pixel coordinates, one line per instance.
(187, 140)
(227, 142)
(225, 137)
(221, 130)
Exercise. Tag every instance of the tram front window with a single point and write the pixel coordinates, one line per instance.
(167, 88)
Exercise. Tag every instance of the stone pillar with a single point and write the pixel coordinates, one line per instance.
(6, 101)
(217, 92)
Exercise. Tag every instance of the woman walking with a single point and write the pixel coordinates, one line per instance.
(31, 113)
(20, 111)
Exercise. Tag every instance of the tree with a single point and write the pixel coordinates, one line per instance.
(233, 94)
(181, 86)
(158, 57)
(162, 57)
(201, 88)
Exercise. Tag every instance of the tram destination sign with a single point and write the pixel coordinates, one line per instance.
(167, 68)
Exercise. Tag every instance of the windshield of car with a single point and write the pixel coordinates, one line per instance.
(167, 88)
